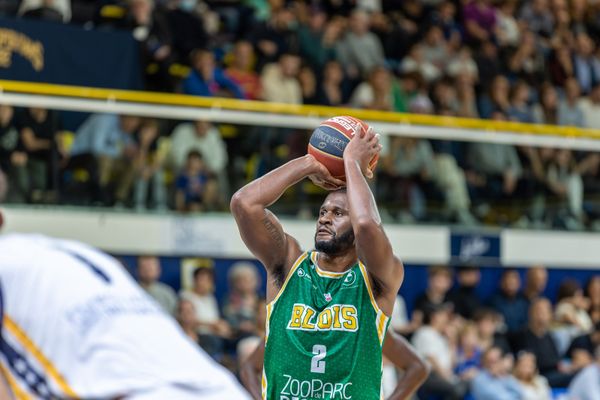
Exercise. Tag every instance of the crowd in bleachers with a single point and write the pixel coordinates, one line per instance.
(528, 61)
(513, 344)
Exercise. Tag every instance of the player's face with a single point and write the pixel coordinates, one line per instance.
(334, 229)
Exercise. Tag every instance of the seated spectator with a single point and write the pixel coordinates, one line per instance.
(586, 385)
(399, 321)
(360, 50)
(209, 327)
(464, 296)
(105, 147)
(510, 302)
(195, 189)
(592, 291)
(480, 21)
(494, 169)
(242, 300)
(494, 382)
(488, 65)
(527, 61)
(205, 138)
(468, 354)
(581, 350)
(206, 79)
(34, 176)
(149, 166)
(274, 37)
(560, 65)
(533, 385)
(308, 85)
(434, 48)
(546, 112)
(519, 109)
(431, 343)
(414, 62)
(507, 29)
(188, 27)
(565, 182)
(331, 91)
(241, 71)
(488, 324)
(536, 15)
(497, 99)
(462, 65)
(148, 273)
(537, 339)
(572, 306)
(280, 80)
(536, 280)
(590, 106)
(439, 283)
(445, 18)
(586, 63)
(317, 38)
(570, 111)
(10, 153)
(376, 93)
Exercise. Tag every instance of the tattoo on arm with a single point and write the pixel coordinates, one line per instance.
(273, 231)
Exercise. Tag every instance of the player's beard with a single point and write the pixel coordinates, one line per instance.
(337, 244)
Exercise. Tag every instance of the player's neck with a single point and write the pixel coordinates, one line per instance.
(338, 262)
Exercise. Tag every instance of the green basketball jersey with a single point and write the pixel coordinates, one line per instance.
(324, 336)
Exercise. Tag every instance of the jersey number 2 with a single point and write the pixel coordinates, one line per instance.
(317, 364)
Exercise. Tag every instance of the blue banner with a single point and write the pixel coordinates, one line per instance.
(475, 249)
(38, 51)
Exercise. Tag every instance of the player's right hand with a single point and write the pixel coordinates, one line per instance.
(322, 177)
(362, 148)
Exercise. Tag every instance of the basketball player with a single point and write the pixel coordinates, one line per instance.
(75, 325)
(328, 310)
(395, 348)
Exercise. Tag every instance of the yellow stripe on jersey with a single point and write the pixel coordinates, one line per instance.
(323, 273)
(13, 385)
(287, 279)
(263, 384)
(381, 321)
(30, 347)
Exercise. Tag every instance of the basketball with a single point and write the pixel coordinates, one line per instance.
(328, 141)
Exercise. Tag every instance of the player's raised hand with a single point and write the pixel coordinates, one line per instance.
(363, 147)
(322, 177)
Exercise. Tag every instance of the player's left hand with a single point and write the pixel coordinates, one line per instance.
(362, 148)
(322, 177)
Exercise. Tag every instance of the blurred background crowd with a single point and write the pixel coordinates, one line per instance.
(513, 343)
(526, 61)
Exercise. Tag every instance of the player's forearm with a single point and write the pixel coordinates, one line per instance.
(413, 377)
(363, 209)
(269, 188)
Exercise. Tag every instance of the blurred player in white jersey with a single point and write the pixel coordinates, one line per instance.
(75, 325)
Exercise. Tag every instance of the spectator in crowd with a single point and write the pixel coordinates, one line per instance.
(308, 85)
(590, 106)
(34, 176)
(536, 15)
(415, 62)
(148, 273)
(468, 353)
(434, 49)
(495, 382)
(280, 80)
(581, 350)
(533, 385)
(331, 91)
(149, 166)
(463, 67)
(399, 320)
(537, 339)
(206, 79)
(10, 154)
(359, 50)
(560, 65)
(242, 300)
(464, 296)
(546, 112)
(431, 343)
(586, 385)
(439, 283)
(488, 65)
(209, 328)
(564, 181)
(507, 29)
(317, 38)
(205, 138)
(592, 291)
(488, 323)
(570, 111)
(105, 146)
(572, 307)
(376, 93)
(274, 37)
(586, 63)
(519, 109)
(241, 70)
(195, 189)
(536, 280)
(188, 28)
(510, 302)
(495, 169)
(527, 62)
(497, 99)
(480, 21)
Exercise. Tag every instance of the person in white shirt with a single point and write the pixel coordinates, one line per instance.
(533, 385)
(75, 324)
(586, 384)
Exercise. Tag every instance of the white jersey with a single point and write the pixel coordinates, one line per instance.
(76, 325)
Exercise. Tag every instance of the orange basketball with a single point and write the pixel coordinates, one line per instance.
(328, 141)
